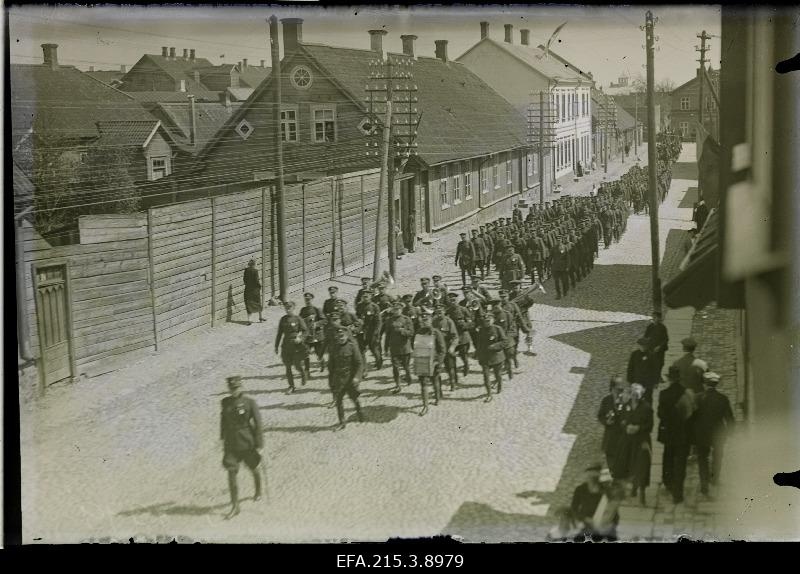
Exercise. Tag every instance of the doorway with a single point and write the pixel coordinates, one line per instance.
(53, 321)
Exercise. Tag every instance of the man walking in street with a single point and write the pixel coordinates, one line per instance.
(369, 314)
(399, 335)
(675, 409)
(242, 437)
(691, 376)
(712, 422)
(560, 267)
(658, 336)
(490, 347)
(315, 323)
(445, 325)
(463, 320)
(345, 369)
(438, 348)
(293, 332)
(481, 253)
(331, 302)
(465, 258)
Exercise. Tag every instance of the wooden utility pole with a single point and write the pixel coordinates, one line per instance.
(279, 198)
(652, 165)
(701, 72)
(636, 123)
(387, 123)
(388, 165)
(541, 149)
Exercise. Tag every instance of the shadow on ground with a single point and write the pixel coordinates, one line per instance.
(685, 170)
(170, 509)
(692, 194)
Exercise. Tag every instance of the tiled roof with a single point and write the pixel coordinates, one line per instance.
(125, 134)
(201, 95)
(106, 76)
(462, 117)
(240, 94)
(178, 68)
(252, 76)
(64, 103)
(570, 65)
(549, 66)
(209, 119)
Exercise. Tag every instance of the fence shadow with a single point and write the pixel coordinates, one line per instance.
(171, 509)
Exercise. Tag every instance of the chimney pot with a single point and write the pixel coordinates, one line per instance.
(50, 52)
(376, 40)
(91, 68)
(164, 51)
(408, 44)
(123, 68)
(244, 63)
(292, 33)
(172, 53)
(524, 37)
(225, 100)
(263, 63)
(191, 54)
(441, 50)
(185, 54)
(484, 30)
(509, 28)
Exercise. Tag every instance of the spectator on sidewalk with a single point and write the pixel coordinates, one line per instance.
(700, 214)
(675, 409)
(656, 333)
(610, 416)
(252, 292)
(586, 500)
(641, 368)
(688, 242)
(690, 373)
(242, 437)
(633, 456)
(712, 422)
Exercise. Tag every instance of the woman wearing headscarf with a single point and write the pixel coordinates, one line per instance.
(252, 291)
(635, 447)
(610, 416)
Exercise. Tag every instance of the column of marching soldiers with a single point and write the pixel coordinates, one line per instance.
(436, 326)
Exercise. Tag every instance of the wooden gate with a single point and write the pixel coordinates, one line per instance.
(52, 312)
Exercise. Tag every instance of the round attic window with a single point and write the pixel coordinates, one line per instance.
(301, 77)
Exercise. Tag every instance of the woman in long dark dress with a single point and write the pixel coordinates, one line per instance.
(252, 291)
(635, 447)
(610, 416)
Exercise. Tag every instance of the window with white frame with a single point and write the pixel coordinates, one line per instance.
(289, 124)
(484, 178)
(466, 173)
(443, 187)
(684, 127)
(509, 170)
(495, 173)
(456, 184)
(685, 103)
(323, 124)
(159, 167)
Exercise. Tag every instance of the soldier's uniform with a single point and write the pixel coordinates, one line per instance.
(370, 334)
(315, 323)
(465, 258)
(481, 253)
(365, 281)
(447, 327)
(490, 345)
(330, 304)
(345, 369)
(399, 335)
(520, 323)
(292, 330)
(505, 321)
(440, 350)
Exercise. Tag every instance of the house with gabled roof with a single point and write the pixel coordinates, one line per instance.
(565, 98)
(472, 156)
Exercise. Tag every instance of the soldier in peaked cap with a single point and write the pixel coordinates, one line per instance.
(465, 258)
(440, 350)
(315, 323)
(346, 368)
(293, 331)
(447, 327)
(399, 336)
(369, 336)
(423, 297)
(481, 252)
(365, 286)
(330, 303)
(489, 346)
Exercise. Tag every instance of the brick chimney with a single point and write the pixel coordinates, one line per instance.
(164, 52)
(376, 40)
(292, 33)
(191, 54)
(408, 44)
(50, 52)
(484, 30)
(172, 53)
(263, 63)
(185, 54)
(244, 63)
(441, 50)
(225, 100)
(509, 28)
(525, 37)
(123, 69)
(91, 68)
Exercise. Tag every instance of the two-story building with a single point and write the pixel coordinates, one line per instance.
(685, 106)
(567, 94)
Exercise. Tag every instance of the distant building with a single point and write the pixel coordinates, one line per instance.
(112, 78)
(685, 104)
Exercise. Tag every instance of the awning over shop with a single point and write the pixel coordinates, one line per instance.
(696, 283)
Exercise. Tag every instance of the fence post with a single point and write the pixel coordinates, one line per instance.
(263, 243)
(303, 236)
(213, 260)
(152, 275)
(363, 230)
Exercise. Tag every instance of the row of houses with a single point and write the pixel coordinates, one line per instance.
(202, 139)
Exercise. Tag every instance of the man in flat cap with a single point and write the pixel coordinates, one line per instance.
(465, 258)
(675, 409)
(346, 366)
(242, 437)
(712, 423)
(691, 377)
(657, 333)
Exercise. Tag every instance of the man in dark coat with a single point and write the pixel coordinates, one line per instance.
(520, 321)
(252, 291)
(481, 253)
(463, 320)
(399, 331)
(490, 346)
(439, 349)
(423, 297)
(293, 332)
(371, 325)
(445, 325)
(656, 333)
(640, 368)
(465, 258)
(315, 323)
(691, 377)
(560, 267)
(365, 286)
(241, 434)
(675, 409)
(513, 267)
(712, 422)
(585, 499)
(346, 367)
(331, 302)
(700, 214)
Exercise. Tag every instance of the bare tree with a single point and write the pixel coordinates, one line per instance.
(639, 84)
(665, 86)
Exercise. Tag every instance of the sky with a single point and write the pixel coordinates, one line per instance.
(603, 40)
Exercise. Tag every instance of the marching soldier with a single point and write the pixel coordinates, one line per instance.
(488, 239)
(440, 350)
(315, 322)
(560, 270)
(423, 297)
(481, 253)
(490, 346)
(292, 330)
(346, 367)
(242, 437)
(382, 299)
(365, 282)
(513, 267)
(525, 303)
(520, 322)
(330, 303)
(399, 335)
(346, 318)
(505, 321)
(462, 318)
(409, 310)
(465, 258)
(479, 291)
(442, 287)
(371, 325)
(445, 325)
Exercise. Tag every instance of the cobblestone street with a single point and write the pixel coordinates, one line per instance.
(137, 450)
